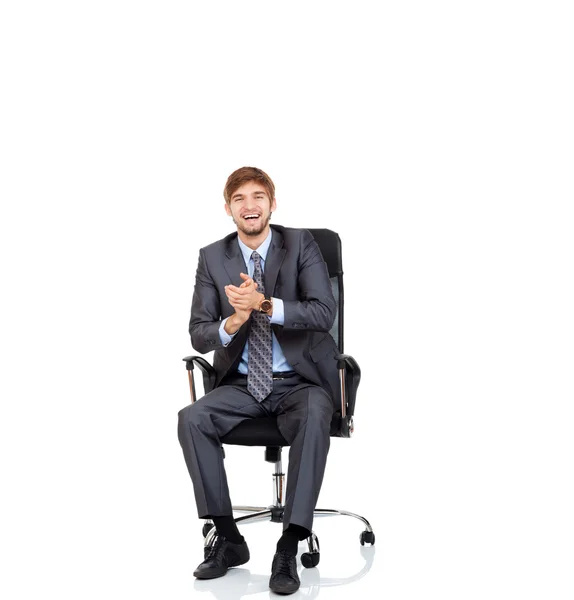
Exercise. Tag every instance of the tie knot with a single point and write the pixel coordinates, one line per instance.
(255, 256)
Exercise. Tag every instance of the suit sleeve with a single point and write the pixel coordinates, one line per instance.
(205, 311)
(316, 308)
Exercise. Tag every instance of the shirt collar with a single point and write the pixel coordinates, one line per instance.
(262, 250)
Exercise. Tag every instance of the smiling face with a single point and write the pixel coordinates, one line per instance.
(250, 207)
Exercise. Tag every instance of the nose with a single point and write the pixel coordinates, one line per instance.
(250, 203)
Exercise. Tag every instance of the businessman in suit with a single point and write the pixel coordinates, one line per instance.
(263, 303)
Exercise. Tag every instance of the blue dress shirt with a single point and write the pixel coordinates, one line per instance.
(278, 317)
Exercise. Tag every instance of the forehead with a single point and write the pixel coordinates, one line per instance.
(249, 188)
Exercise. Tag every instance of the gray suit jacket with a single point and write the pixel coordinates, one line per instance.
(296, 273)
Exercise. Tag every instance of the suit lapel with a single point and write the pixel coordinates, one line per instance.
(233, 262)
(275, 257)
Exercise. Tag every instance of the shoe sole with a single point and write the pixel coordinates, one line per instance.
(284, 590)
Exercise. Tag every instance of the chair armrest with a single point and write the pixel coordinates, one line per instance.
(206, 369)
(352, 379)
(349, 376)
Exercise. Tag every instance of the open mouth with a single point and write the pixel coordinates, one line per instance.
(252, 217)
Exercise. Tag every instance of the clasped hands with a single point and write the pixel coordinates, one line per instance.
(244, 298)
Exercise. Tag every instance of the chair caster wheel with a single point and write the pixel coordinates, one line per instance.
(367, 537)
(310, 559)
(207, 527)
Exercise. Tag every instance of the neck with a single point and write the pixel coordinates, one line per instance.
(253, 241)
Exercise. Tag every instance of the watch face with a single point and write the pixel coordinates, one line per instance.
(265, 306)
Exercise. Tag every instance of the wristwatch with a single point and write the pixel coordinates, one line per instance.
(266, 305)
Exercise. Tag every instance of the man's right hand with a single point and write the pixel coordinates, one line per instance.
(236, 320)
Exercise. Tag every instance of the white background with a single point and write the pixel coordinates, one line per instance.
(435, 137)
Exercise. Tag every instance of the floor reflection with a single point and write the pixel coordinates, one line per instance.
(241, 582)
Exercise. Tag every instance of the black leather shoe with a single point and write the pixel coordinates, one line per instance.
(220, 555)
(284, 578)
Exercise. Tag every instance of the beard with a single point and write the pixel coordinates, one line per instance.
(255, 229)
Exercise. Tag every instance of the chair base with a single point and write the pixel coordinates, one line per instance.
(275, 513)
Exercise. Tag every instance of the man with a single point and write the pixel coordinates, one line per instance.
(263, 302)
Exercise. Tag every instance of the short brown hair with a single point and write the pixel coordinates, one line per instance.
(244, 175)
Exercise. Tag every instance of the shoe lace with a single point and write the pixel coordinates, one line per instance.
(215, 547)
(285, 563)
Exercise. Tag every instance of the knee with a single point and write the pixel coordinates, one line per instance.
(191, 415)
(320, 406)
(183, 416)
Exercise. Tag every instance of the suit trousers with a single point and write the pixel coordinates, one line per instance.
(303, 410)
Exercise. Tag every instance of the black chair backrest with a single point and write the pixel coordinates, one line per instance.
(329, 243)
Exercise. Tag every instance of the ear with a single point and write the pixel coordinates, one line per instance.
(227, 209)
(273, 204)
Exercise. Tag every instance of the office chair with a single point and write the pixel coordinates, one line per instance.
(264, 432)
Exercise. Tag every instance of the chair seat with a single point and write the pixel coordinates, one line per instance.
(262, 431)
